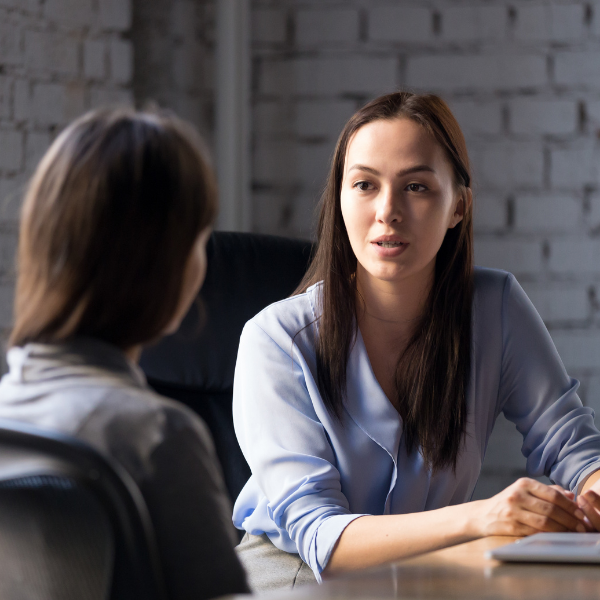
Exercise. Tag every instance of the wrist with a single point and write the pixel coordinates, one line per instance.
(473, 521)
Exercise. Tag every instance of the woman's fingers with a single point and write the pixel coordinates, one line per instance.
(548, 513)
(553, 502)
(545, 508)
(590, 505)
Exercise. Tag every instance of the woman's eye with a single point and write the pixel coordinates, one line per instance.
(415, 187)
(363, 186)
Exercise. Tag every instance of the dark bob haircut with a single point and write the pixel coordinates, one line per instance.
(108, 224)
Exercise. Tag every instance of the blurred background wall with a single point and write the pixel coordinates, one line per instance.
(523, 78)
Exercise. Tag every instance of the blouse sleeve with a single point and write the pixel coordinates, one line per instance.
(287, 447)
(536, 394)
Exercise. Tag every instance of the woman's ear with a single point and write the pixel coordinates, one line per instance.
(463, 203)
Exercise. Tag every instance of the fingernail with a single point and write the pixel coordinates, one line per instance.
(580, 528)
(582, 500)
(579, 514)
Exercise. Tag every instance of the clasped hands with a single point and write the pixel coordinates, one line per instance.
(528, 506)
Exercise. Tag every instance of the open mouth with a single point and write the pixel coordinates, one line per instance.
(390, 244)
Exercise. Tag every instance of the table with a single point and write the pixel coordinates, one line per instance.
(459, 572)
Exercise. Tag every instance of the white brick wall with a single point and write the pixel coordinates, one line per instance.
(173, 62)
(523, 78)
(55, 66)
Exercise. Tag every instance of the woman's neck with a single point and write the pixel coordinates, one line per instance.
(393, 307)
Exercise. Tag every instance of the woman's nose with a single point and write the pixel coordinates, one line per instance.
(388, 206)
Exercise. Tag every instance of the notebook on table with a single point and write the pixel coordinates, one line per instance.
(551, 547)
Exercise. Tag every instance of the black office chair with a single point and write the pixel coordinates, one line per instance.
(246, 273)
(73, 524)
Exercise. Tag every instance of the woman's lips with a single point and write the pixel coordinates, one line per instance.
(389, 248)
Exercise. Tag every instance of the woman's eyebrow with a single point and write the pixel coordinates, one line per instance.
(402, 173)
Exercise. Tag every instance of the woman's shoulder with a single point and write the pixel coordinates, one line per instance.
(291, 315)
(490, 287)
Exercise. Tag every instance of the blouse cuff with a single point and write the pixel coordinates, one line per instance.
(327, 536)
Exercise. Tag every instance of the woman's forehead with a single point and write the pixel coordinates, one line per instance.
(400, 142)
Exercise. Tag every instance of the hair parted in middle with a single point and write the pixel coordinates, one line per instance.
(433, 371)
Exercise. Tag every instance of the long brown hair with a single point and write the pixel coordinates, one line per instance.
(433, 372)
(108, 224)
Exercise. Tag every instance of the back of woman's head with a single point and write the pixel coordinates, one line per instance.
(108, 224)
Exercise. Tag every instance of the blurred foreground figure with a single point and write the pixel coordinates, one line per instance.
(111, 256)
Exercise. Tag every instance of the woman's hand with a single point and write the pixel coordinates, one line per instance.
(526, 507)
(589, 501)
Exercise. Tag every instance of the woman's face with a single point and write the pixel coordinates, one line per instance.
(193, 277)
(398, 199)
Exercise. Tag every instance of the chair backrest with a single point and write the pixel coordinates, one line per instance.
(246, 272)
(73, 523)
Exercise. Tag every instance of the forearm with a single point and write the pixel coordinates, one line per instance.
(589, 482)
(374, 540)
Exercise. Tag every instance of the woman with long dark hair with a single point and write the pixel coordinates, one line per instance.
(111, 255)
(365, 402)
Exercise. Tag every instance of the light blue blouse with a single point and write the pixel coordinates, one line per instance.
(312, 475)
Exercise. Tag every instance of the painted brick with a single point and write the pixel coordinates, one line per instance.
(592, 219)
(573, 166)
(12, 190)
(327, 25)
(592, 109)
(322, 119)
(6, 85)
(574, 256)
(273, 161)
(121, 61)
(578, 349)
(400, 24)
(577, 69)
(115, 14)
(557, 117)
(567, 21)
(183, 19)
(51, 52)
(464, 72)
(71, 14)
(110, 97)
(273, 118)
(560, 304)
(10, 49)
(22, 99)
(7, 293)
(11, 150)
(8, 247)
(595, 24)
(508, 164)
(477, 118)
(548, 213)
(49, 103)
(533, 23)
(269, 25)
(187, 63)
(556, 22)
(36, 144)
(472, 23)
(489, 212)
(313, 164)
(94, 59)
(515, 255)
(369, 76)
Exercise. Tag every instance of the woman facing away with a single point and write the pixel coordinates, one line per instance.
(364, 403)
(111, 255)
